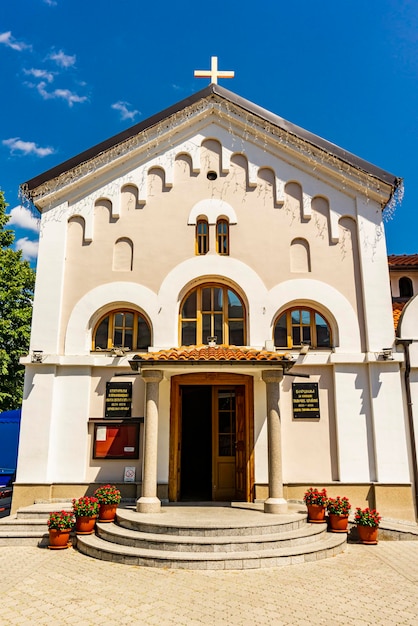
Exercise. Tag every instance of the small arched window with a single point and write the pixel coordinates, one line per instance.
(212, 311)
(222, 237)
(301, 325)
(202, 237)
(405, 287)
(122, 329)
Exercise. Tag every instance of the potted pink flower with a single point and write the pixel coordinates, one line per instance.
(85, 510)
(60, 524)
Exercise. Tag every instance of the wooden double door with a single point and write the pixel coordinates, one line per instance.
(211, 438)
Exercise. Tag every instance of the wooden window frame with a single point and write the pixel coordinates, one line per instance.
(222, 238)
(202, 239)
(199, 313)
(111, 328)
(311, 325)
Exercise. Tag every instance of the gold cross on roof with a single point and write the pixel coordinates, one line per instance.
(213, 73)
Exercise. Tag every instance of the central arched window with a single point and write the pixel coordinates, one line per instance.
(212, 311)
(122, 329)
(301, 325)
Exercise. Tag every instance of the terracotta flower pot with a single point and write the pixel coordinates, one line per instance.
(338, 523)
(85, 525)
(59, 539)
(368, 534)
(316, 513)
(107, 512)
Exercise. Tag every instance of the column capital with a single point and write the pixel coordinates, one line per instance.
(272, 376)
(152, 376)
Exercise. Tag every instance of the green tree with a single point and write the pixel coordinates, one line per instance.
(17, 281)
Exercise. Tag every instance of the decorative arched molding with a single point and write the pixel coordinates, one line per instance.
(326, 300)
(200, 269)
(81, 221)
(212, 209)
(408, 325)
(96, 302)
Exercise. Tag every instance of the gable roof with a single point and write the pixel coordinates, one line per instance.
(213, 91)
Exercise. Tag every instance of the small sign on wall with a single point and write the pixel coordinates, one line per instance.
(129, 475)
(305, 400)
(118, 399)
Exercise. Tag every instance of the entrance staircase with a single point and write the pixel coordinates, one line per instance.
(236, 536)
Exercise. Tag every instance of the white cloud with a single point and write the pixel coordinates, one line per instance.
(29, 248)
(26, 147)
(125, 113)
(22, 217)
(44, 74)
(62, 59)
(8, 40)
(51, 3)
(65, 94)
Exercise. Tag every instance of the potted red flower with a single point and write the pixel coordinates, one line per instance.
(85, 510)
(367, 521)
(60, 524)
(316, 502)
(338, 510)
(109, 497)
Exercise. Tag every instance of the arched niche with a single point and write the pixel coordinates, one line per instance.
(76, 230)
(293, 199)
(321, 217)
(156, 181)
(123, 252)
(103, 207)
(266, 187)
(211, 156)
(183, 166)
(300, 256)
(238, 171)
(129, 198)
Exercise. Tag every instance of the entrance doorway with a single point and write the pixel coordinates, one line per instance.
(211, 436)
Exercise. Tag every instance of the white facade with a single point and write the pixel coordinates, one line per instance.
(305, 232)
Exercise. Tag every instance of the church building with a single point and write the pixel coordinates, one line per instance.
(213, 318)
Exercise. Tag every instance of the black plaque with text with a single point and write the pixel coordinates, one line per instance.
(305, 400)
(118, 400)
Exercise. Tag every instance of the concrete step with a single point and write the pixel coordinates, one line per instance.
(114, 533)
(208, 521)
(42, 510)
(329, 545)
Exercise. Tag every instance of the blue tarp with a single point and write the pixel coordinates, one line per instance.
(9, 441)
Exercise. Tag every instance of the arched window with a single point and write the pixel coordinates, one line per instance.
(405, 287)
(202, 237)
(122, 329)
(301, 325)
(222, 237)
(212, 311)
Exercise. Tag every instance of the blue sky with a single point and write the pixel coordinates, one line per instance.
(74, 73)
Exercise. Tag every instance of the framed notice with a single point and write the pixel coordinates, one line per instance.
(118, 401)
(116, 440)
(305, 400)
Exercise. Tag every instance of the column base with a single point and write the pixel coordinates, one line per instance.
(275, 505)
(148, 505)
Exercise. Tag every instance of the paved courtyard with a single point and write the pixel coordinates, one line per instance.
(365, 585)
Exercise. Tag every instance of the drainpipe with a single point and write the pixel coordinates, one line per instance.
(405, 343)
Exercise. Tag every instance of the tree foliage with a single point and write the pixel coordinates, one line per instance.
(17, 281)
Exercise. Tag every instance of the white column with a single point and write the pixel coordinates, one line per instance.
(275, 503)
(148, 502)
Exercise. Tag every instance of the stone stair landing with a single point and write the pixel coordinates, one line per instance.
(233, 536)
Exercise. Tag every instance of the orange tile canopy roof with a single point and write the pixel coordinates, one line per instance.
(403, 261)
(219, 354)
